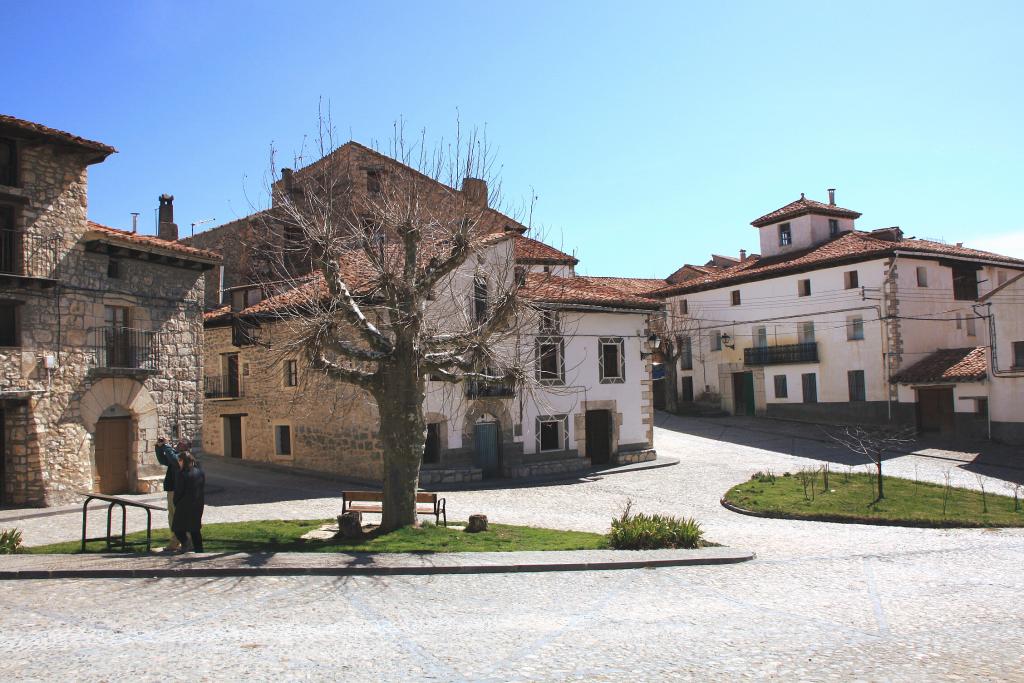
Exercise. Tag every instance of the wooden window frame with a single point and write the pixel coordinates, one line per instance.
(785, 235)
(559, 346)
(803, 287)
(781, 385)
(856, 384)
(851, 279)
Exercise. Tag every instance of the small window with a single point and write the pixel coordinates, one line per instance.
(761, 337)
(432, 449)
(9, 324)
(855, 328)
(833, 227)
(551, 432)
(611, 370)
(292, 234)
(373, 184)
(684, 307)
(981, 408)
(549, 322)
(803, 287)
(114, 269)
(291, 373)
(785, 236)
(735, 297)
(972, 330)
(237, 300)
(8, 163)
(687, 392)
(716, 340)
(922, 276)
(283, 440)
(855, 380)
(959, 322)
(685, 353)
(550, 366)
(479, 299)
(1018, 354)
(781, 388)
(809, 380)
(965, 283)
(805, 332)
(850, 279)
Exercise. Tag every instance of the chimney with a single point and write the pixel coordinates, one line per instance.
(831, 196)
(135, 222)
(167, 229)
(475, 191)
(743, 255)
(286, 180)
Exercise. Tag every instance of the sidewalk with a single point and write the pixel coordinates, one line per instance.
(350, 564)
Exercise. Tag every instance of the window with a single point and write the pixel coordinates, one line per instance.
(761, 337)
(959, 322)
(785, 236)
(244, 332)
(550, 365)
(965, 283)
(803, 287)
(833, 227)
(114, 269)
(549, 321)
(551, 432)
(291, 373)
(373, 184)
(716, 340)
(9, 324)
(735, 297)
(479, 299)
(850, 279)
(685, 353)
(855, 381)
(809, 380)
(610, 360)
(687, 392)
(282, 439)
(292, 234)
(1018, 354)
(855, 328)
(8, 163)
(981, 408)
(237, 300)
(805, 332)
(10, 243)
(971, 329)
(432, 449)
(922, 276)
(781, 388)
(684, 307)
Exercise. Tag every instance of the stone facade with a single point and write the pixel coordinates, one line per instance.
(67, 370)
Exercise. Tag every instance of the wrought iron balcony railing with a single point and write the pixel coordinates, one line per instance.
(781, 354)
(123, 347)
(481, 390)
(222, 386)
(27, 255)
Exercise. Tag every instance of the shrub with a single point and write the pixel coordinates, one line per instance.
(764, 477)
(638, 531)
(10, 541)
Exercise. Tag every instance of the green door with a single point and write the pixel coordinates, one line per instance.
(743, 393)
(485, 448)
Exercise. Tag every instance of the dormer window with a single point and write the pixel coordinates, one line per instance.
(785, 235)
(8, 163)
(833, 227)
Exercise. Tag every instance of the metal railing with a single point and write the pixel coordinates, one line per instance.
(784, 353)
(481, 390)
(222, 386)
(124, 347)
(27, 255)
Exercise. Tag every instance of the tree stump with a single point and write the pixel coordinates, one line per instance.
(350, 525)
(476, 523)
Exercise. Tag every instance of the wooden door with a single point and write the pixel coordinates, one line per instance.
(743, 393)
(599, 436)
(113, 448)
(485, 448)
(935, 410)
(233, 436)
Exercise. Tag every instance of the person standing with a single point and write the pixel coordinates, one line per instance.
(166, 456)
(189, 501)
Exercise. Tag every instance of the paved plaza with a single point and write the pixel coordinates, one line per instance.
(820, 602)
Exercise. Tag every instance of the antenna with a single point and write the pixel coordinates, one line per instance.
(202, 222)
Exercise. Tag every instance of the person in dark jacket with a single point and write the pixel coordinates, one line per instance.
(189, 501)
(166, 456)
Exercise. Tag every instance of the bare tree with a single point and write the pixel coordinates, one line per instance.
(677, 333)
(389, 278)
(873, 442)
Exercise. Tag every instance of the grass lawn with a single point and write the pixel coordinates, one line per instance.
(851, 496)
(284, 536)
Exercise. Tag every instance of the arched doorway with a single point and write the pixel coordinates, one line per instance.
(113, 454)
(487, 445)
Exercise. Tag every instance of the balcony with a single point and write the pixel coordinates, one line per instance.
(24, 256)
(125, 349)
(782, 354)
(222, 386)
(481, 390)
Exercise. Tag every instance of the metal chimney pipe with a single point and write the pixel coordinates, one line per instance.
(832, 196)
(135, 222)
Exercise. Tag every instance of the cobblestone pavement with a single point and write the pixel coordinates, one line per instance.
(821, 602)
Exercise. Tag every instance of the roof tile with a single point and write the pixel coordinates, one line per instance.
(946, 365)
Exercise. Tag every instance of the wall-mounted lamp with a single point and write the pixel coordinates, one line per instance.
(654, 342)
(727, 341)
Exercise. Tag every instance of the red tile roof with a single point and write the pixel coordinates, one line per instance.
(801, 207)
(532, 251)
(849, 247)
(947, 365)
(149, 242)
(548, 289)
(54, 134)
(639, 286)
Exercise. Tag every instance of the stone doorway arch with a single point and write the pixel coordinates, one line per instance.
(125, 399)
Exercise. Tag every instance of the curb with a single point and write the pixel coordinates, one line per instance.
(693, 558)
(835, 519)
(509, 483)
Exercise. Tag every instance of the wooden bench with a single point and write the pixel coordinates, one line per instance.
(111, 540)
(373, 501)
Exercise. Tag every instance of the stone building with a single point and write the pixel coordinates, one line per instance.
(593, 406)
(100, 329)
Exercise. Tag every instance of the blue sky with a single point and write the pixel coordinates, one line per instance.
(652, 134)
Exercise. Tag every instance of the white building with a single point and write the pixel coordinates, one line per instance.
(839, 325)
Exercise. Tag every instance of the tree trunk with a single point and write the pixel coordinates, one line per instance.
(879, 464)
(403, 435)
(671, 380)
